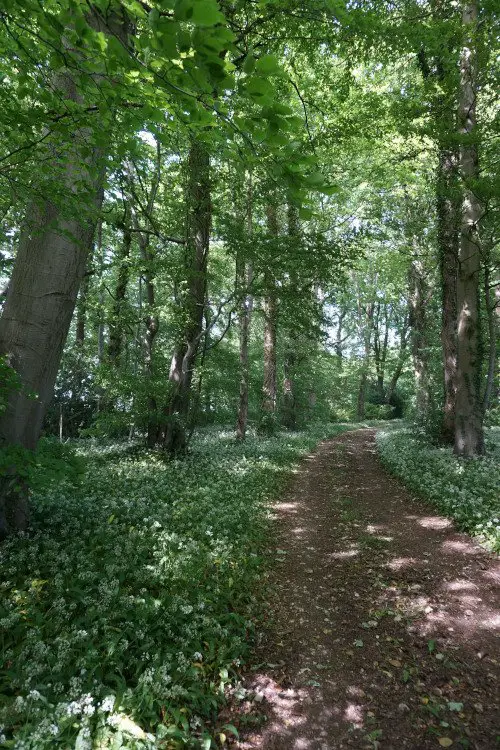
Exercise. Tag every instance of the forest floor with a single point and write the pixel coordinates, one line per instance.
(382, 618)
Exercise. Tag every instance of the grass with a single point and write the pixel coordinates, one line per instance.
(128, 610)
(466, 490)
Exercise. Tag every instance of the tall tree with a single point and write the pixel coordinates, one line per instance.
(244, 277)
(49, 268)
(469, 437)
(192, 295)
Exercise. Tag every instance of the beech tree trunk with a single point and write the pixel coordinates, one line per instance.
(192, 304)
(50, 265)
(448, 243)
(244, 276)
(269, 385)
(469, 438)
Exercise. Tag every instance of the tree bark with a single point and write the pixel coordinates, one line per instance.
(448, 242)
(292, 347)
(81, 312)
(244, 276)
(198, 224)
(115, 323)
(403, 345)
(47, 274)
(469, 437)
(365, 323)
(418, 321)
(269, 385)
(490, 305)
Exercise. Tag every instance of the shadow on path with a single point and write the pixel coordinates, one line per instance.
(385, 620)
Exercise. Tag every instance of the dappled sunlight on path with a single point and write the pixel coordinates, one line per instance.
(384, 620)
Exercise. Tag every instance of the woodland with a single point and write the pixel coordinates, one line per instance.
(230, 229)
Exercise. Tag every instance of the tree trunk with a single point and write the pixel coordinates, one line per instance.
(244, 280)
(418, 298)
(198, 224)
(289, 416)
(152, 325)
(81, 312)
(269, 385)
(403, 344)
(469, 438)
(47, 274)
(447, 226)
(115, 324)
(365, 323)
(490, 305)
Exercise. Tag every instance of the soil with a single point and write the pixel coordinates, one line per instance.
(383, 619)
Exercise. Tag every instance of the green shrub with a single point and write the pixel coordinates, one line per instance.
(467, 490)
(129, 608)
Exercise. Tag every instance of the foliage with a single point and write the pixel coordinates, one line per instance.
(126, 611)
(465, 490)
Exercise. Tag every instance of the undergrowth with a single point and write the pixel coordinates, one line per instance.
(128, 609)
(467, 490)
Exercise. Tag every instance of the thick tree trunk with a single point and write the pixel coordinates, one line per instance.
(469, 438)
(48, 271)
(269, 385)
(448, 242)
(115, 324)
(244, 275)
(198, 224)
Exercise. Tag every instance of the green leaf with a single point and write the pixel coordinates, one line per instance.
(207, 13)
(268, 65)
(259, 88)
(248, 64)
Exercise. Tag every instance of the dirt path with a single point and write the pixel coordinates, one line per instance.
(384, 630)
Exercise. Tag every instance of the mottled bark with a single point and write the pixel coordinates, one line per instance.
(244, 274)
(469, 438)
(193, 299)
(47, 274)
(441, 69)
(448, 242)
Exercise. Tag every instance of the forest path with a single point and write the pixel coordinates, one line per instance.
(384, 620)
